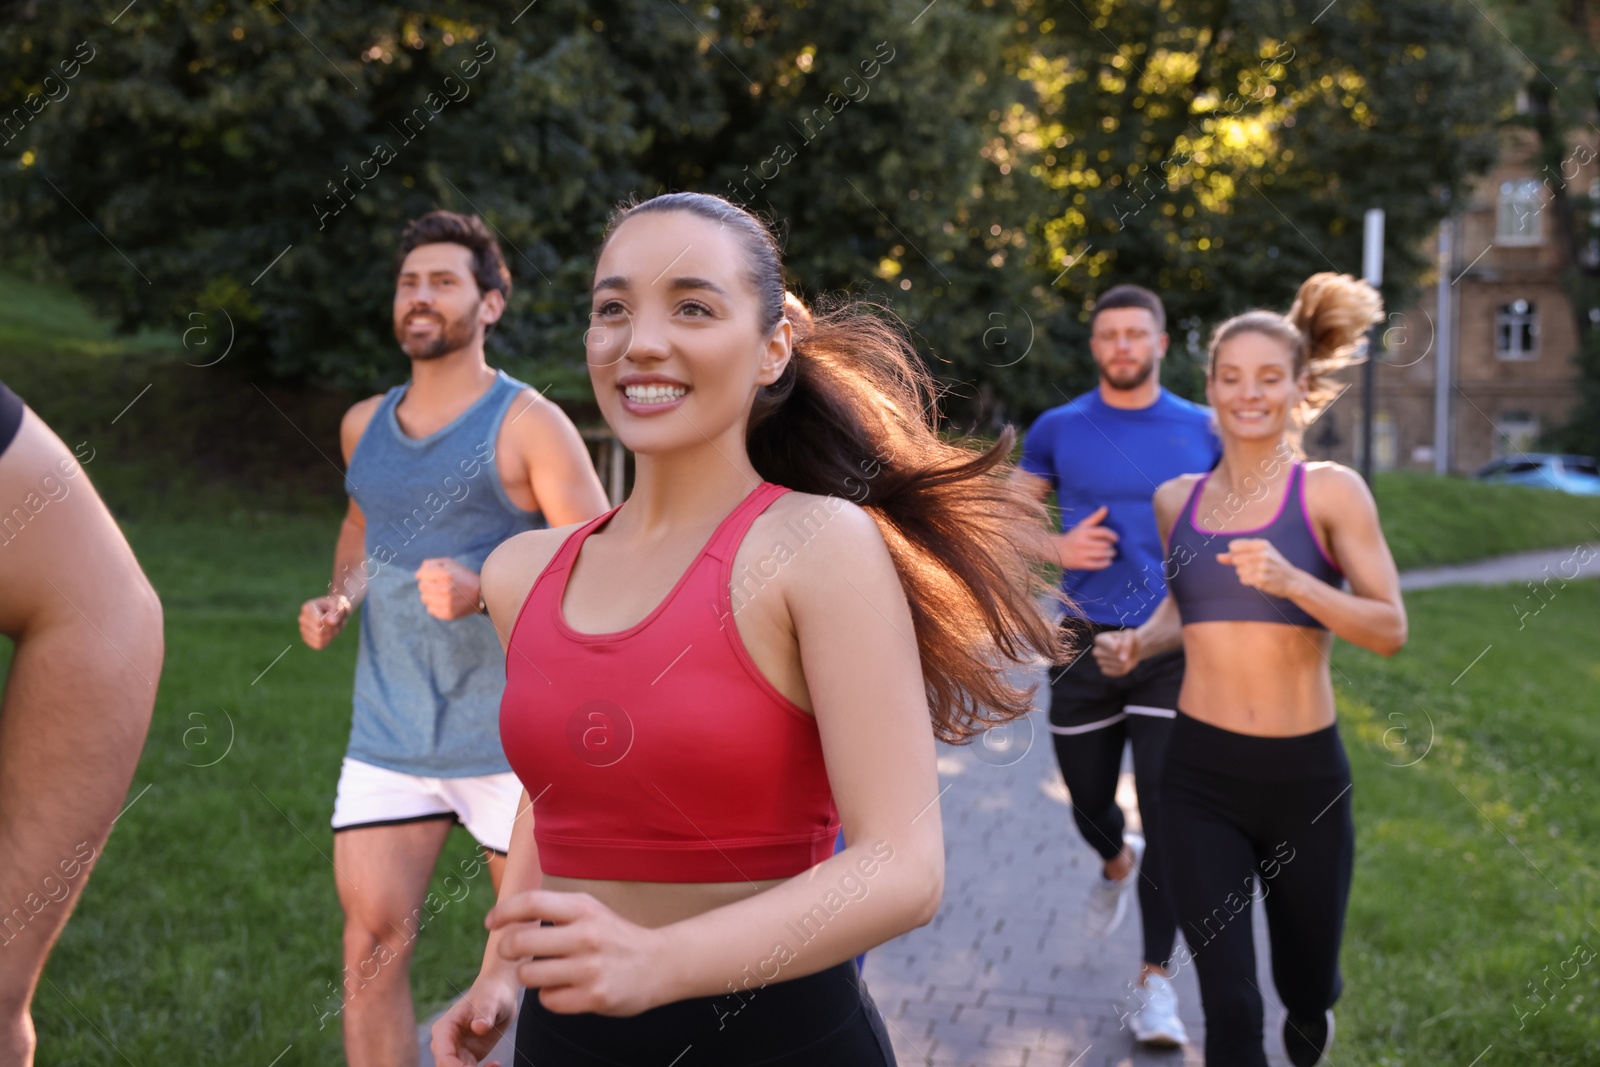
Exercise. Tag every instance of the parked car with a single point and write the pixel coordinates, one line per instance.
(1568, 474)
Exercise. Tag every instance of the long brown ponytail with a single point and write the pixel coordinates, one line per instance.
(854, 415)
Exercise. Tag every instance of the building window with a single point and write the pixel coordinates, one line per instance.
(1516, 331)
(1515, 432)
(1521, 211)
(1385, 440)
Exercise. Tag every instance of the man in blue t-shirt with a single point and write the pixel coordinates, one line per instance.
(1104, 454)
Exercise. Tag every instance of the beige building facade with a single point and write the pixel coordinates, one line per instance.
(1513, 340)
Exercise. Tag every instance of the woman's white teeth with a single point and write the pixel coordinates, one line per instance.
(653, 394)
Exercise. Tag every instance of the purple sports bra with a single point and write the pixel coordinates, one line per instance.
(1208, 591)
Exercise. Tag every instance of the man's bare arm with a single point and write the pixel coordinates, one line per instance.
(78, 699)
(321, 618)
(560, 472)
(349, 555)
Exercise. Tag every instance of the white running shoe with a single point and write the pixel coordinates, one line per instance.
(1108, 900)
(1156, 1023)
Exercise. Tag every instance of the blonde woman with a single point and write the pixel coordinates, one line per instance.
(1256, 787)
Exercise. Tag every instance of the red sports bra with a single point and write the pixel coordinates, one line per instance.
(659, 753)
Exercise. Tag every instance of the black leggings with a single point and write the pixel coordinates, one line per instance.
(1091, 764)
(1249, 818)
(1091, 716)
(826, 1018)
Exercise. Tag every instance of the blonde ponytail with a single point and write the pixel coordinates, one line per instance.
(1323, 330)
(1332, 313)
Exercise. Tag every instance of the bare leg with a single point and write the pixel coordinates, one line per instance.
(497, 869)
(382, 873)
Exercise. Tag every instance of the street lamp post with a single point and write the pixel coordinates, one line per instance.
(1372, 271)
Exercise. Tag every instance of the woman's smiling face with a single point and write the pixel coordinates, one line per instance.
(675, 346)
(1253, 387)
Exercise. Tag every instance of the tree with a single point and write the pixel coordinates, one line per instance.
(981, 167)
(260, 159)
(1221, 152)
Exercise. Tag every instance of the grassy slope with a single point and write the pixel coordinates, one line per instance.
(1431, 521)
(163, 432)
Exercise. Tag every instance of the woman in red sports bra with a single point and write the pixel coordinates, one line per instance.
(1256, 789)
(703, 684)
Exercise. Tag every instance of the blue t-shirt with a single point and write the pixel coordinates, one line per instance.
(1092, 454)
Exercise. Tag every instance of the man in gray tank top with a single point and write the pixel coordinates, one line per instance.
(439, 471)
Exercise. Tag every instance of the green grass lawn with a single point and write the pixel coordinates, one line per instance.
(1478, 845)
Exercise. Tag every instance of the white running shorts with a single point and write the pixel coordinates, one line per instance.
(374, 796)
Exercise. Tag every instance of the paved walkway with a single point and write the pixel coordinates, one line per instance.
(1003, 977)
(1557, 563)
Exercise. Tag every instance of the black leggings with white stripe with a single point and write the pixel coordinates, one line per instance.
(1247, 818)
(1091, 717)
(1091, 764)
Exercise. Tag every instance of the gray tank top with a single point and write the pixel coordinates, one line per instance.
(427, 693)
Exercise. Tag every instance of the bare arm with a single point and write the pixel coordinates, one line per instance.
(1163, 630)
(475, 1023)
(349, 552)
(561, 478)
(1118, 652)
(561, 474)
(1087, 545)
(1039, 489)
(78, 699)
(864, 678)
(1371, 614)
(322, 618)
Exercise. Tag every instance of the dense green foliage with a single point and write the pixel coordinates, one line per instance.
(1221, 152)
(204, 139)
(246, 166)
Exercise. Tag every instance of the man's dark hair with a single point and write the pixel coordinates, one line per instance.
(446, 227)
(1131, 296)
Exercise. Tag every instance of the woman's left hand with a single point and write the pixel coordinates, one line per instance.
(1260, 566)
(590, 960)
